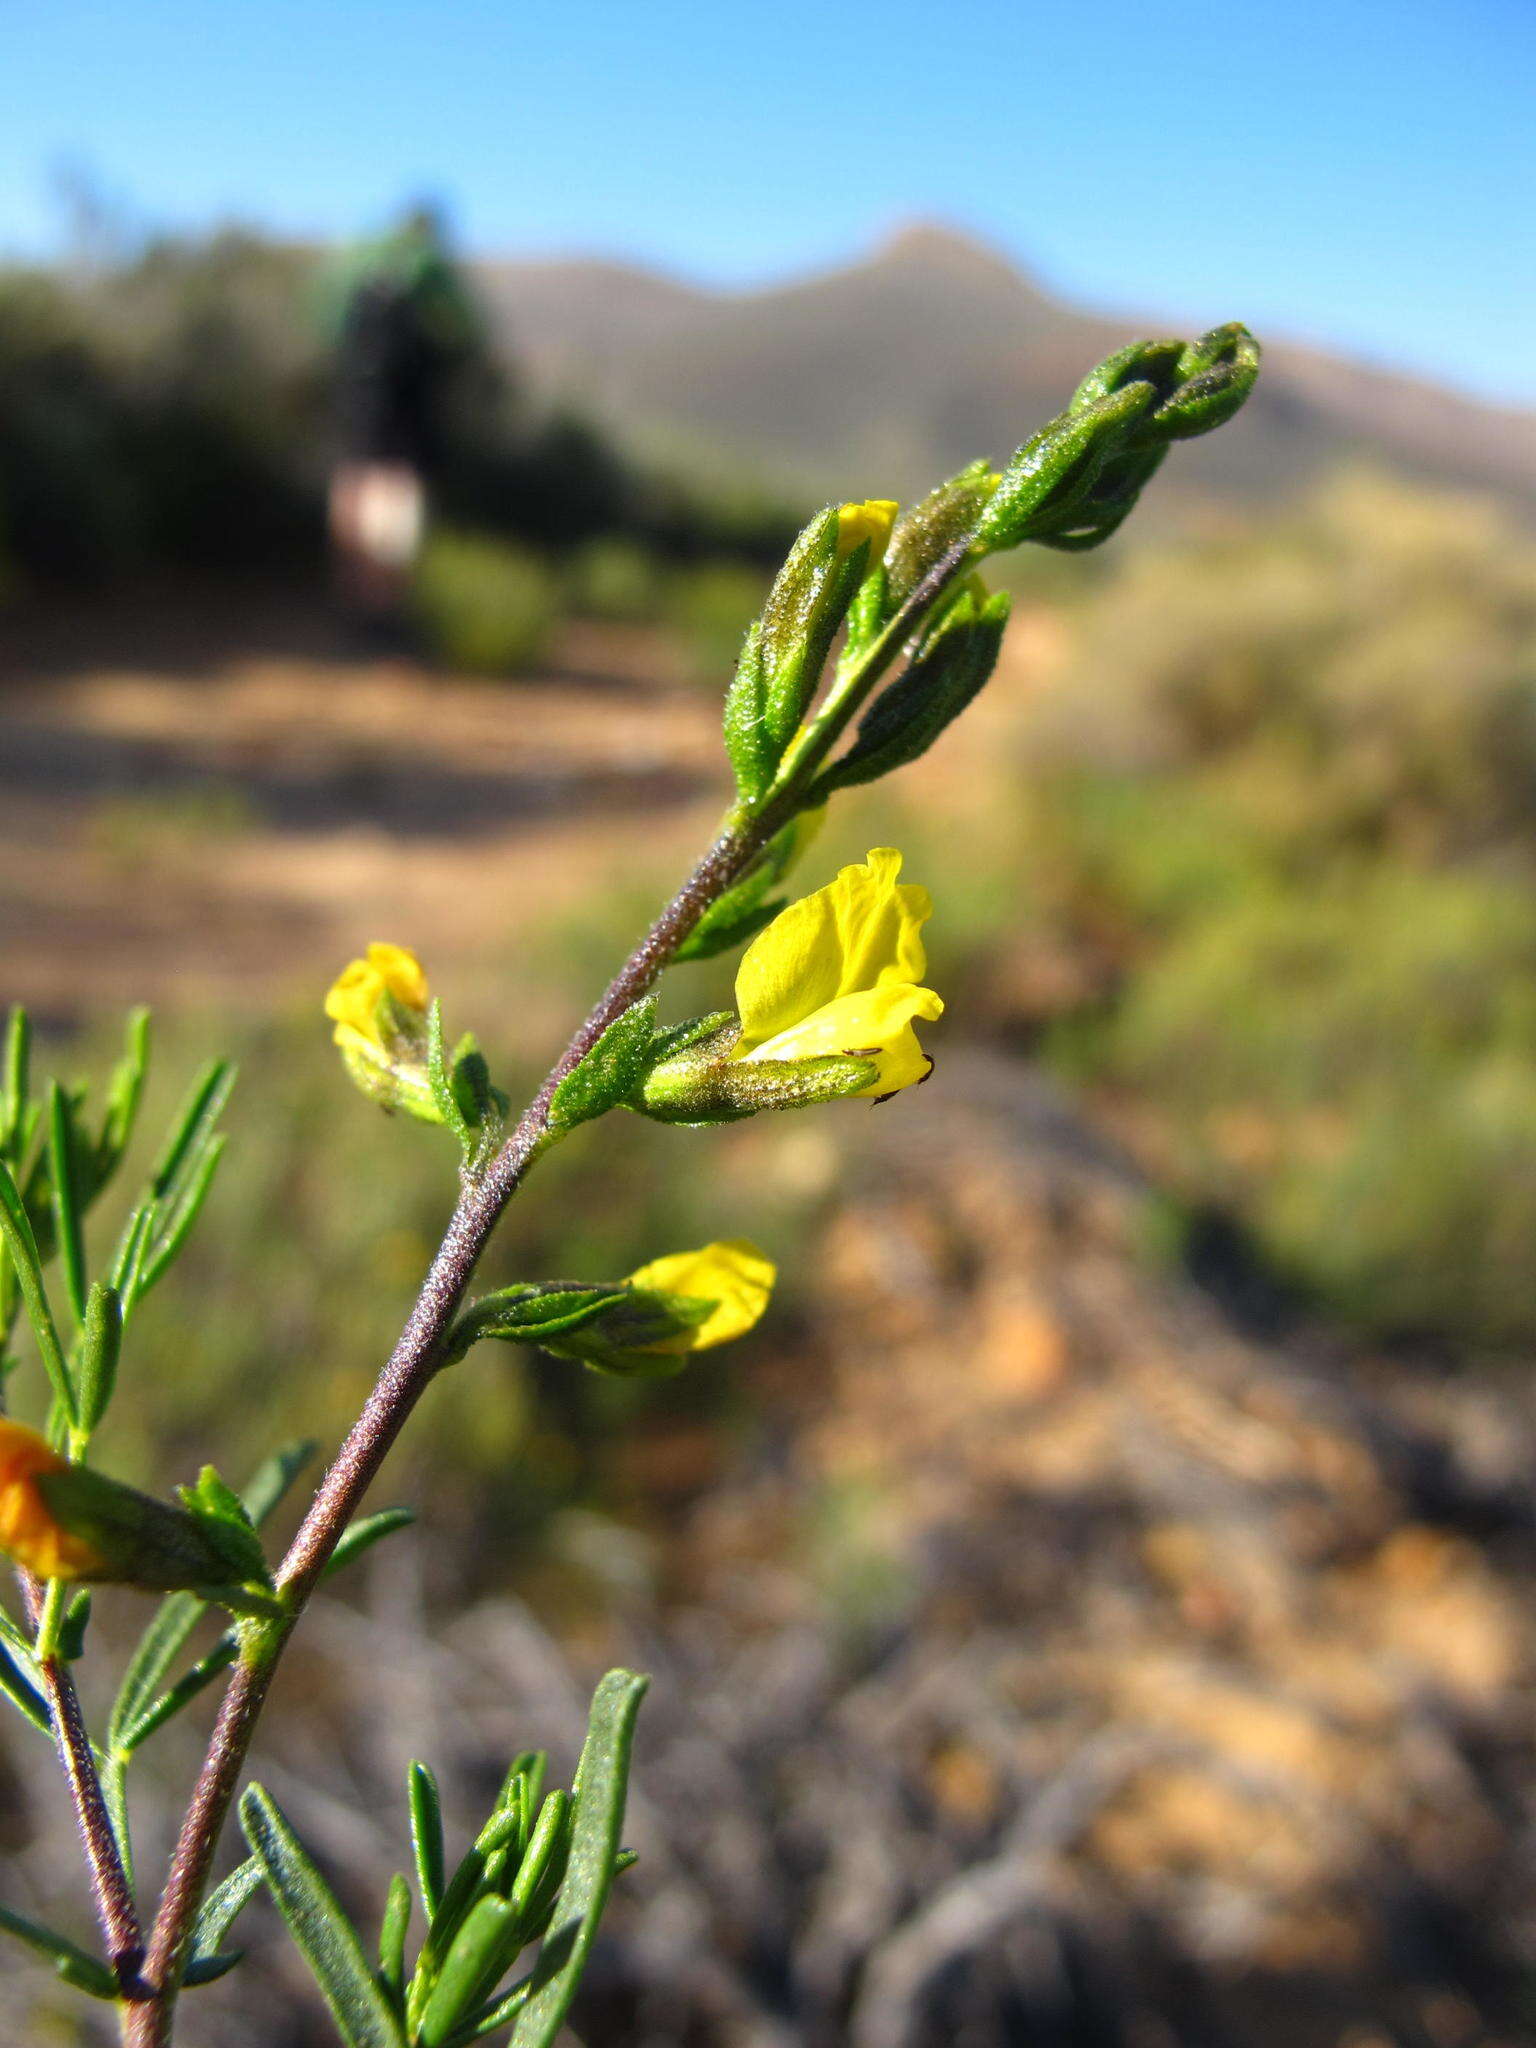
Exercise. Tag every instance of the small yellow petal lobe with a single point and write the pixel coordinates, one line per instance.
(732, 1273)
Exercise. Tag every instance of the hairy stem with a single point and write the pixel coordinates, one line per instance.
(148, 2020)
(115, 1907)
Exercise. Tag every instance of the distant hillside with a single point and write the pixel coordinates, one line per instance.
(933, 350)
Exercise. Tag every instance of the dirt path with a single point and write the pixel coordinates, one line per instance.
(218, 805)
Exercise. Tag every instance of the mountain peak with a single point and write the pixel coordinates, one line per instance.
(939, 245)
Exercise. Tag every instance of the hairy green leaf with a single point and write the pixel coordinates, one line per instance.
(321, 1931)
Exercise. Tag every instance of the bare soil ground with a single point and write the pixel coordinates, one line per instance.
(218, 802)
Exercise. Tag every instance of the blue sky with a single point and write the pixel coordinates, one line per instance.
(1357, 173)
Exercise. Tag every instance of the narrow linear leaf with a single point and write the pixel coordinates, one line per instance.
(101, 1346)
(191, 1131)
(15, 1080)
(543, 1863)
(602, 1781)
(427, 1835)
(495, 2015)
(210, 1968)
(16, 1235)
(364, 1534)
(271, 1480)
(474, 1963)
(93, 1974)
(186, 1689)
(132, 1246)
(156, 1650)
(68, 1195)
(322, 1932)
(184, 1214)
(221, 1909)
(125, 1092)
(22, 1693)
(89, 1976)
(392, 1934)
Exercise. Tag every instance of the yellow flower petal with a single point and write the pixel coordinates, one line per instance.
(869, 521)
(400, 972)
(28, 1532)
(877, 1021)
(355, 995)
(862, 931)
(352, 1002)
(733, 1274)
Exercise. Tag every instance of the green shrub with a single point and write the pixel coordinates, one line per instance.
(485, 606)
(616, 581)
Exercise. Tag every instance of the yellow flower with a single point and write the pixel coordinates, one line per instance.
(28, 1531)
(870, 521)
(840, 972)
(733, 1274)
(358, 1000)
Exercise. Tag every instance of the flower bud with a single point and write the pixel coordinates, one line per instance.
(379, 1007)
(65, 1521)
(30, 1531)
(787, 648)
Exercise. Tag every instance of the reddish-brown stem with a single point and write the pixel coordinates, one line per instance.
(147, 2020)
(115, 1907)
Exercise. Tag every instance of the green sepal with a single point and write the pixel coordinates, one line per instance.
(950, 668)
(141, 1707)
(703, 1085)
(144, 1542)
(809, 599)
(1074, 483)
(610, 1073)
(620, 1341)
(785, 651)
(745, 721)
(608, 1327)
(531, 1313)
(228, 1526)
(932, 528)
(715, 1028)
(393, 1083)
(1046, 491)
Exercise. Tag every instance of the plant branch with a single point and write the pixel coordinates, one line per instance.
(115, 1907)
(418, 1354)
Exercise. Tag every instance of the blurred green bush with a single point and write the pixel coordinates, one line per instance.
(485, 605)
(1278, 813)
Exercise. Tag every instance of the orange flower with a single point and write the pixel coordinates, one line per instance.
(28, 1530)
